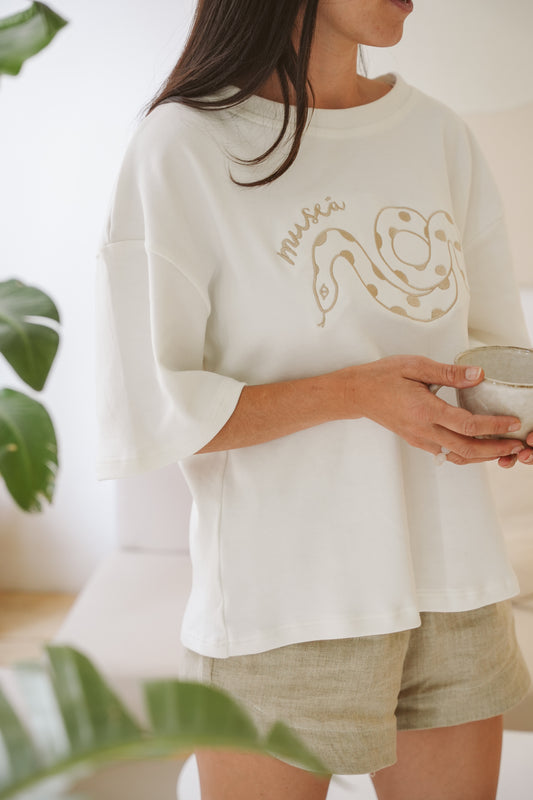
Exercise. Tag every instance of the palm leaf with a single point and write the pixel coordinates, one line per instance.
(282, 741)
(24, 34)
(198, 715)
(20, 754)
(28, 450)
(75, 723)
(29, 347)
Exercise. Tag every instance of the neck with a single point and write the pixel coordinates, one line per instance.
(329, 90)
(333, 75)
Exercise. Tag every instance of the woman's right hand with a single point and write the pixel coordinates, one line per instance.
(394, 392)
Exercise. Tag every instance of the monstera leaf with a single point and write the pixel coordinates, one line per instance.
(24, 34)
(73, 723)
(28, 445)
(28, 450)
(29, 347)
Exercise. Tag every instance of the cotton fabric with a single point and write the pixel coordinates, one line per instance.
(386, 236)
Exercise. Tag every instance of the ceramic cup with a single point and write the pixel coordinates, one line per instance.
(507, 387)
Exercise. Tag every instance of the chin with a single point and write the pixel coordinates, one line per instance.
(388, 40)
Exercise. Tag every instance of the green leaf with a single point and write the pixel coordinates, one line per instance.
(28, 450)
(283, 743)
(20, 756)
(26, 33)
(77, 723)
(92, 713)
(29, 347)
(198, 714)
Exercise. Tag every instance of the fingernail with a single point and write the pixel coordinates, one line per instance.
(514, 427)
(472, 373)
(517, 449)
(529, 460)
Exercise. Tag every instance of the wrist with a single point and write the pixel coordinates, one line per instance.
(344, 388)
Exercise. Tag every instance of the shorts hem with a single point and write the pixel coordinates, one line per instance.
(496, 709)
(378, 756)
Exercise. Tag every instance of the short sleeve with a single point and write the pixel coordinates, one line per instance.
(155, 401)
(495, 315)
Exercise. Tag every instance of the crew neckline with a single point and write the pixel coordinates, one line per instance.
(322, 120)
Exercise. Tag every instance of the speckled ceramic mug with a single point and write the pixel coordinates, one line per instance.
(507, 387)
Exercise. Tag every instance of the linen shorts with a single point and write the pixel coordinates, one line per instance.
(346, 698)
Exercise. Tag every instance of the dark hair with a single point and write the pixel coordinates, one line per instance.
(241, 43)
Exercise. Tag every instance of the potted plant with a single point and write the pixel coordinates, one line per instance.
(28, 444)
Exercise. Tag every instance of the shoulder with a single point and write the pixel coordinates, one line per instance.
(170, 128)
(442, 114)
(162, 173)
(451, 131)
(475, 195)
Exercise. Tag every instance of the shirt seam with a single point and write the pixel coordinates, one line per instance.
(228, 642)
(484, 232)
(194, 284)
(219, 540)
(315, 130)
(465, 594)
(121, 241)
(168, 259)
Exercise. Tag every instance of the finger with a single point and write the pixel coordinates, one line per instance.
(455, 458)
(529, 439)
(435, 372)
(504, 461)
(477, 449)
(463, 422)
(526, 456)
(507, 461)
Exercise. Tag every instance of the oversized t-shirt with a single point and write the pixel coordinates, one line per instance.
(386, 236)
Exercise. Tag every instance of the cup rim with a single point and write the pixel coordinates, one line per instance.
(498, 347)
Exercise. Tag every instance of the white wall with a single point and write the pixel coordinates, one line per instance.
(474, 55)
(64, 123)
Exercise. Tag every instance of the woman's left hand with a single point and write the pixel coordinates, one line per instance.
(524, 457)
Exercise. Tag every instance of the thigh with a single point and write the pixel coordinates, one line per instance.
(452, 763)
(226, 775)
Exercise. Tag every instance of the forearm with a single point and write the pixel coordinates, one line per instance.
(392, 392)
(269, 411)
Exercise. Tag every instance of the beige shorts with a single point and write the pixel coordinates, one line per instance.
(346, 698)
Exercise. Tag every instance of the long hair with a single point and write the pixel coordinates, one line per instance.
(242, 43)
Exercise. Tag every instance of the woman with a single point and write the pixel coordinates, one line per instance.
(276, 295)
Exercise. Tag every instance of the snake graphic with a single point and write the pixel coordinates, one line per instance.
(422, 260)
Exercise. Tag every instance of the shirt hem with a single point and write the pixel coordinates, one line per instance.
(321, 629)
(468, 600)
(351, 627)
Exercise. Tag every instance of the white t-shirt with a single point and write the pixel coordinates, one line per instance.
(386, 236)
